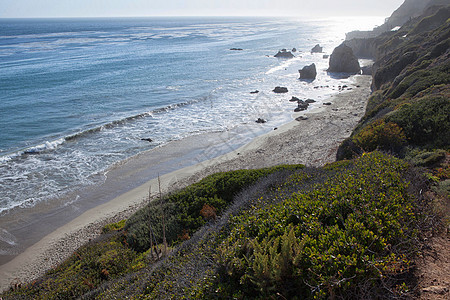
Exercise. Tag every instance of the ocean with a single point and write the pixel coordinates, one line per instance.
(78, 97)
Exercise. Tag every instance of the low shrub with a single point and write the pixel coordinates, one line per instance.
(421, 80)
(381, 135)
(113, 226)
(426, 158)
(89, 267)
(351, 237)
(183, 210)
(426, 122)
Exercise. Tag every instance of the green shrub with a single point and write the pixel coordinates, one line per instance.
(113, 226)
(182, 210)
(344, 238)
(426, 158)
(421, 80)
(380, 135)
(425, 122)
(89, 267)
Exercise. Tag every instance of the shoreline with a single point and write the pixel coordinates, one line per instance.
(312, 142)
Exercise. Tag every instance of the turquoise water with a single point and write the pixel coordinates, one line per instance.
(77, 96)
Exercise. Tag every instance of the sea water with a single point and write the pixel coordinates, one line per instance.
(78, 96)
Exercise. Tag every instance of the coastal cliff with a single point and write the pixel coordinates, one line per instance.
(366, 44)
(410, 87)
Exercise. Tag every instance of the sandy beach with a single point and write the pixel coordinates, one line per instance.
(312, 141)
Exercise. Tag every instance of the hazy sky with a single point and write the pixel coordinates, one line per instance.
(122, 8)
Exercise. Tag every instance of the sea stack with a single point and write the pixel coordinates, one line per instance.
(343, 60)
(308, 72)
(317, 49)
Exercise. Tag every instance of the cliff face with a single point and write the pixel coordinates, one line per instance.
(365, 43)
(408, 10)
(410, 106)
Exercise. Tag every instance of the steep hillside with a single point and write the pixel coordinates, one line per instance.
(350, 230)
(410, 107)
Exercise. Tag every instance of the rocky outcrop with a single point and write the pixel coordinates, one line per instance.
(283, 53)
(280, 90)
(317, 49)
(302, 105)
(308, 72)
(261, 121)
(363, 48)
(343, 60)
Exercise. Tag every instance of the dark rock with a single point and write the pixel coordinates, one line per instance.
(276, 128)
(317, 49)
(147, 140)
(254, 92)
(294, 99)
(284, 54)
(236, 49)
(280, 90)
(326, 56)
(302, 105)
(294, 50)
(343, 60)
(308, 72)
(327, 103)
(261, 121)
(301, 118)
(310, 101)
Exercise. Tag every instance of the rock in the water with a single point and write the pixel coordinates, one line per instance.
(280, 90)
(327, 103)
(294, 99)
(325, 56)
(254, 92)
(302, 105)
(308, 72)
(236, 49)
(317, 49)
(343, 60)
(284, 54)
(147, 140)
(261, 121)
(310, 101)
(294, 50)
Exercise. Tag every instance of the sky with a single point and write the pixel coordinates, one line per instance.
(137, 8)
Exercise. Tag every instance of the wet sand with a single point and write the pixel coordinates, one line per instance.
(312, 142)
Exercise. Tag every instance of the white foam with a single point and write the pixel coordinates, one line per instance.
(7, 237)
